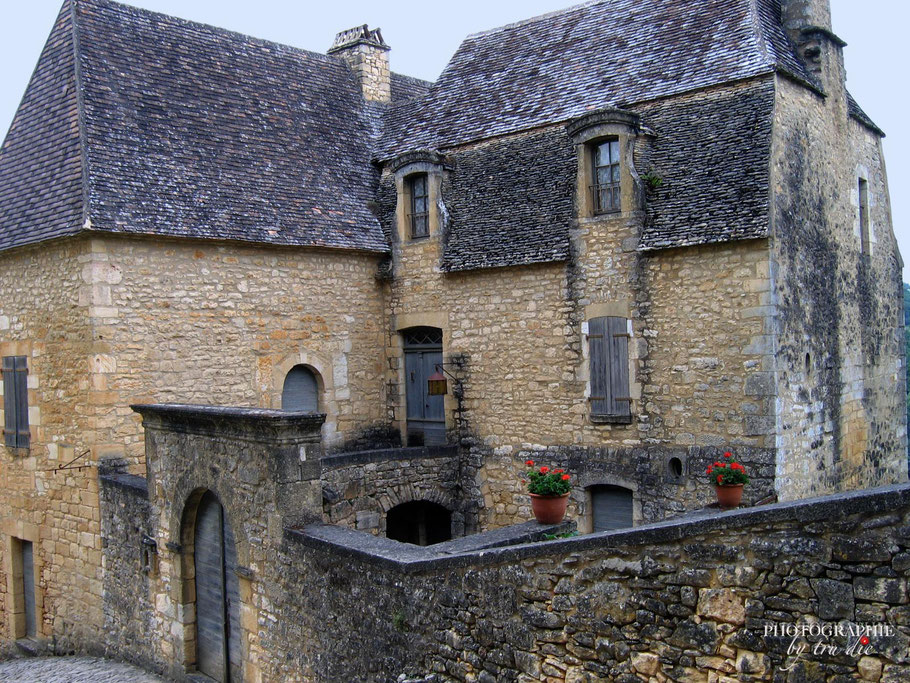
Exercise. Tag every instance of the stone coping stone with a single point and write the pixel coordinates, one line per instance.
(388, 455)
(408, 557)
(244, 424)
(414, 559)
(131, 482)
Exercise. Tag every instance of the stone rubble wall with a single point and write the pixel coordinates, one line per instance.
(694, 600)
(44, 316)
(841, 380)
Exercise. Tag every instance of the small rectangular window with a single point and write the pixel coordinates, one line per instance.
(15, 401)
(25, 617)
(420, 224)
(863, 216)
(608, 345)
(606, 186)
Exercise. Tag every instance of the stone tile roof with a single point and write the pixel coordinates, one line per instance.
(712, 153)
(857, 113)
(511, 202)
(40, 161)
(189, 131)
(610, 53)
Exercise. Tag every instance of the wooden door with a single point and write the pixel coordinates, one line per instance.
(426, 423)
(218, 652)
(611, 508)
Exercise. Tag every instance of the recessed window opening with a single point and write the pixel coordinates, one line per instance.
(611, 507)
(419, 522)
(676, 468)
(863, 217)
(606, 189)
(301, 390)
(420, 197)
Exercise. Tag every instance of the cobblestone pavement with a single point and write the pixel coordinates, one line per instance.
(72, 670)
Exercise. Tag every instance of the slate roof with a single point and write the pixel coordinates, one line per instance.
(610, 53)
(712, 153)
(511, 202)
(189, 131)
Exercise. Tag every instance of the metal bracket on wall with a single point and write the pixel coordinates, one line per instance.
(71, 466)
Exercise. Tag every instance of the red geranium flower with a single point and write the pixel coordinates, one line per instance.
(720, 479)
(544, 469)
(565, 477)
(529, 463)
(710, 469)
(558, 471)
(728, 454)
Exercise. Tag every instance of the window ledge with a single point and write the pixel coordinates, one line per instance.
(611, 419)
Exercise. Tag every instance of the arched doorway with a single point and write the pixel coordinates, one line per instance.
(301, 390)
(426, 418)
(419, 522)
(218, 645)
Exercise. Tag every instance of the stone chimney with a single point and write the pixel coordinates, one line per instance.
(808, 23)
(368, 56)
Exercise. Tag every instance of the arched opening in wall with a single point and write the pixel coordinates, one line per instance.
(217, 593)
(419, 522)
(426, 418)
(301, 390)
(610, 506)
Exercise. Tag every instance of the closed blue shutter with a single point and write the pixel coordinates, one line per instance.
(611, 508)
(301, 391)
(15, 401)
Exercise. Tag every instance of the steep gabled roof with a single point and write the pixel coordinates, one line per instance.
(191, 131)
(609, 53)
(41, 189)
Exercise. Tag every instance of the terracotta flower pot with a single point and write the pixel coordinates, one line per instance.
(729, 496)
(549, 509)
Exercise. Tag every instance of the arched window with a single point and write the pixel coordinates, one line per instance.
(419, 522)
(611, 507)
(301, 390)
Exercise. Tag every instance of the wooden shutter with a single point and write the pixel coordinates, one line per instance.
(15, 401)
(608, 344)
(619, 401)
(600, 366)
(300, 390)
(611, 508)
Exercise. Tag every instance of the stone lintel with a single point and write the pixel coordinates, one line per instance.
(273, 427)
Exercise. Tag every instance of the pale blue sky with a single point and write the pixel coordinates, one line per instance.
(424, 36)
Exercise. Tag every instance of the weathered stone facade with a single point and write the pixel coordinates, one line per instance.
(693, 599)
(746, 260)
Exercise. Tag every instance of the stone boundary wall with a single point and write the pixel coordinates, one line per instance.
(704, 598)
(358, 489)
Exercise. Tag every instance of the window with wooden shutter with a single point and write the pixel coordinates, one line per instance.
(608, 346)
(15, 401)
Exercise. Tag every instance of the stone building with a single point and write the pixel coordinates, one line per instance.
(632, 236)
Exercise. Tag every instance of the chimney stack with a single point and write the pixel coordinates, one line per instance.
(808, 23)
(366, 53)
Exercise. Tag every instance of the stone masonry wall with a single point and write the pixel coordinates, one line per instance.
(358, 489)
(840, 351)
(708, 599)
(223, 324)
(44, 316)
(700, 355)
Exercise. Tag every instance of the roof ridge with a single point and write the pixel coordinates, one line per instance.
(224, 32)
(531, 20)
(80, 119)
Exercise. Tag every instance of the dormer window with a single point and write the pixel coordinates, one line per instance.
(606, 188)
(607, 182)
(419, 217)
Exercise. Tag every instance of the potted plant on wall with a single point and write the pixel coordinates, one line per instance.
(728, 477)
(549, 491)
